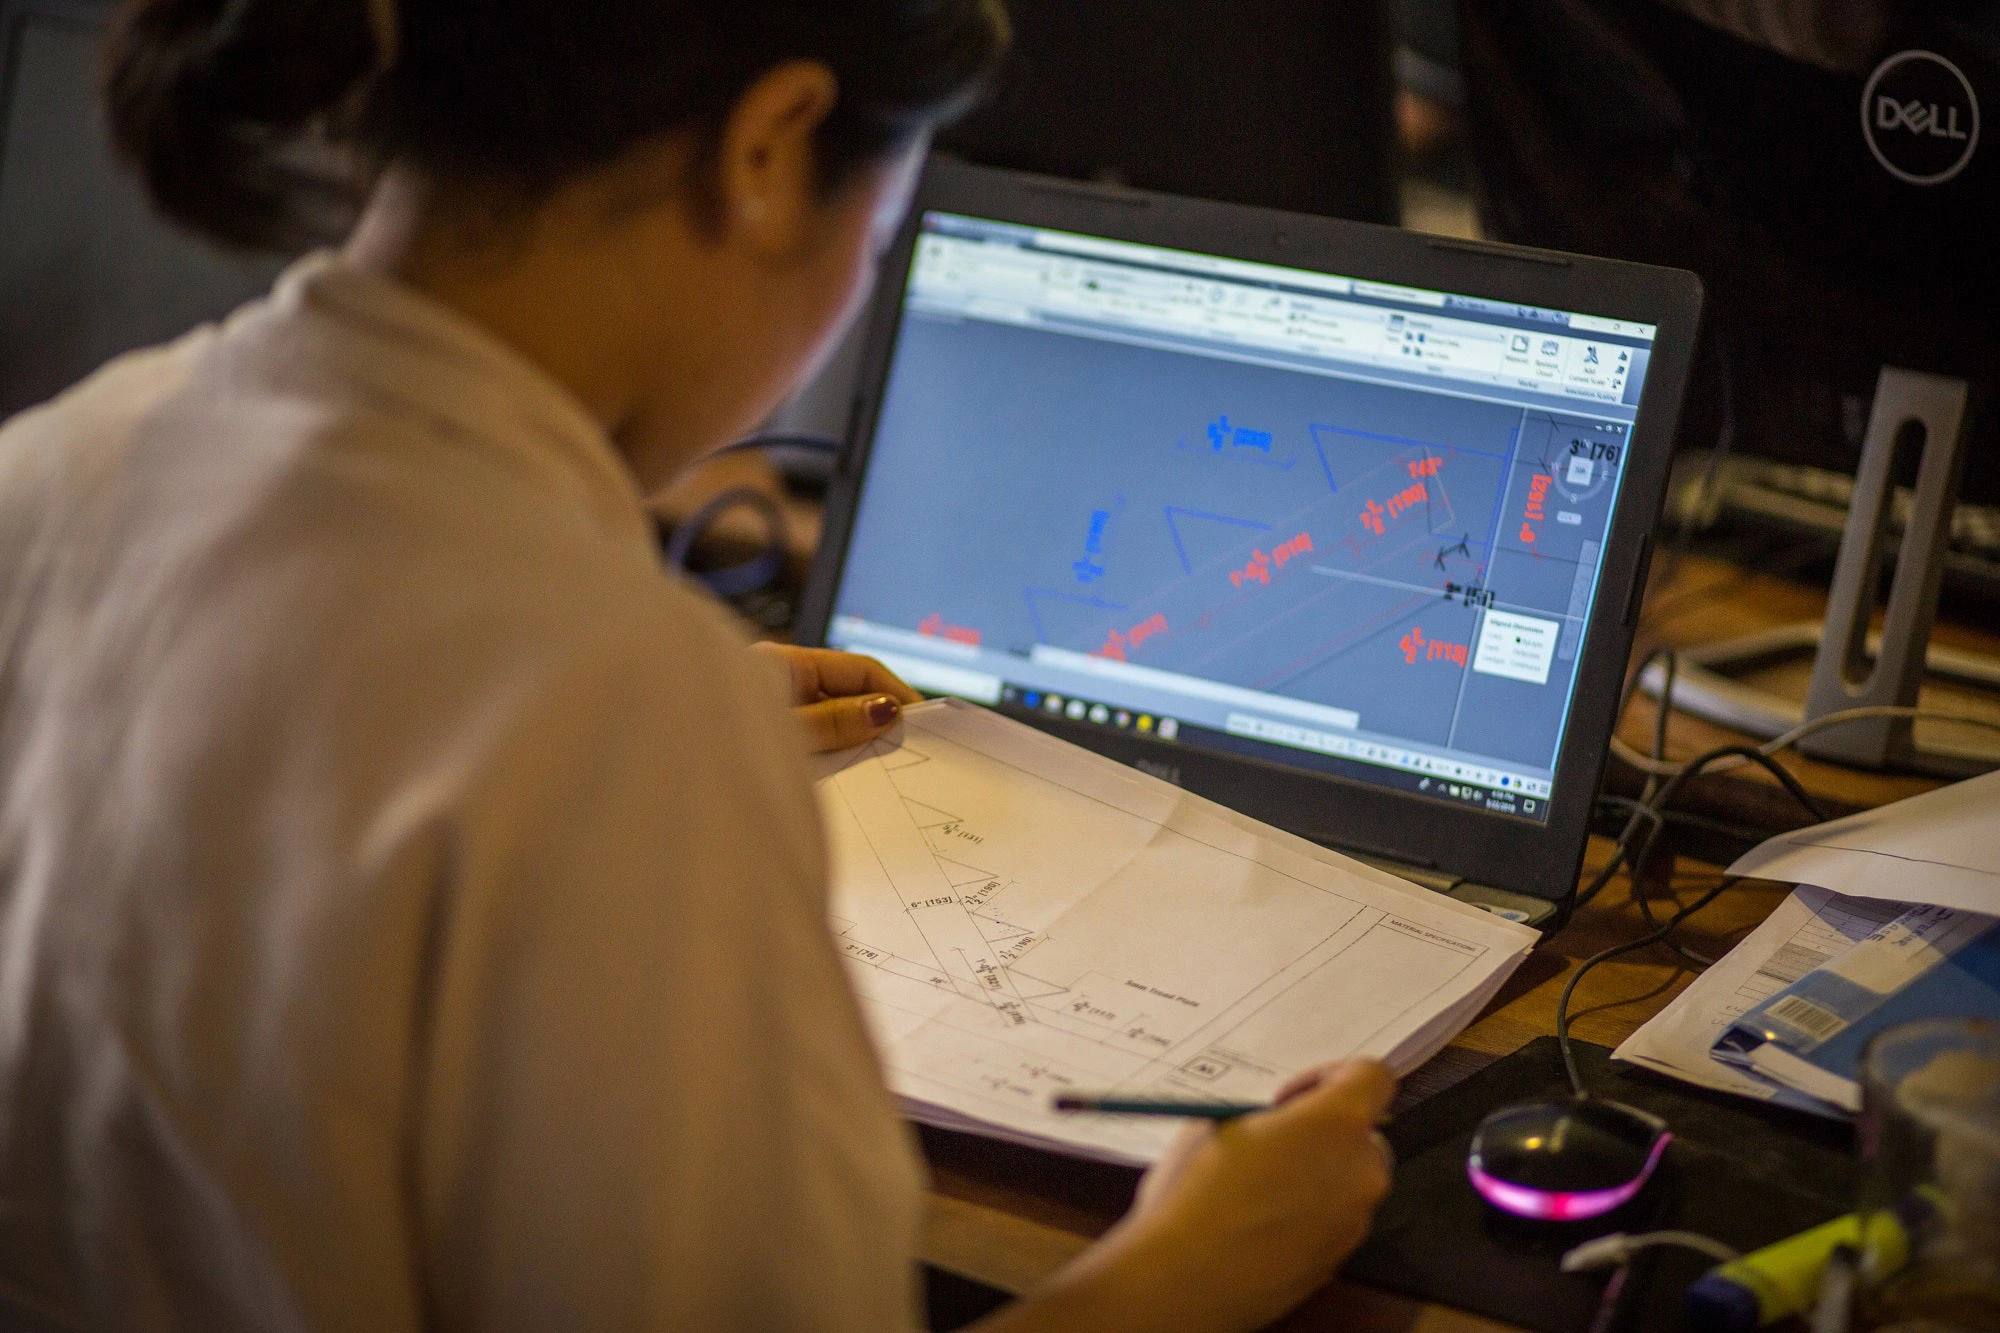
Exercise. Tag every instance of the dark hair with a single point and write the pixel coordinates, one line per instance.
(256, 121)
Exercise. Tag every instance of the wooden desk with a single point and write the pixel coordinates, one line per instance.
(1009, 1217)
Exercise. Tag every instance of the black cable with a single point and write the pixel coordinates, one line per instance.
(1694, 767)
(1659, 803)
(1652, 937)
(1661, 929)
(1631, 690)
(1686, 819)
(1662, 711)
(1793, 787)
(1621, 850)
(1632, 809)
(761, 570)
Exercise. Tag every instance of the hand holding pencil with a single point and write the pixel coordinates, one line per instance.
(1245, 1216)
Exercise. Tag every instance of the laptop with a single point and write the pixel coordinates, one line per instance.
(1343, 526)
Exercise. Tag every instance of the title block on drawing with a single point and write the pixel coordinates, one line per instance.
(1517, 647)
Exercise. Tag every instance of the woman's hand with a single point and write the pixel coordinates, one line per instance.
(841, 699)
(1237, 1224)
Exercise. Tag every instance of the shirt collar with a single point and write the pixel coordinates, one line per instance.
(404, 346)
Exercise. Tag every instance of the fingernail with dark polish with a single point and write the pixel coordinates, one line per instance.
(882, 710)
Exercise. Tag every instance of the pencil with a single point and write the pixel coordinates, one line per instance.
(1188, 1109)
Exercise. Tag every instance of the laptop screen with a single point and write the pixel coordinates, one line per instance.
(1342, 526)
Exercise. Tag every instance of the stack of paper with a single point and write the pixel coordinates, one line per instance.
(1930, 870)
(1023, 917)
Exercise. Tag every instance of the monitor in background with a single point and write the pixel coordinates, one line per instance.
(1824, 168)
(1278, 103)
(86, 269)
(1274, 103)
(1348, 527)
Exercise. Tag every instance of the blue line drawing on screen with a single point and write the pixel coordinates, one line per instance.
(1324, 466)
(1180, 547)
(1221, 435)
(1034, 616)
(1243, 444)
(1090, 568)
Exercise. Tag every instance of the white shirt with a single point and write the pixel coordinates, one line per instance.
(411, 898)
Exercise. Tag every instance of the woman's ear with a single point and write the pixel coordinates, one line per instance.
(766, 169)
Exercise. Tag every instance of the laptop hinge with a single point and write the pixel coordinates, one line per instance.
(1501, 902)
(1437, 881)
(1519, 907)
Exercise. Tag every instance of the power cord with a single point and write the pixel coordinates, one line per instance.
(1620, 1248)
(1617, 1251)
(1640, 897)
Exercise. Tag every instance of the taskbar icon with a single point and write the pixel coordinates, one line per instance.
(1093, 711)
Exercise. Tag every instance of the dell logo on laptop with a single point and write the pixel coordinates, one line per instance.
(1920, 117)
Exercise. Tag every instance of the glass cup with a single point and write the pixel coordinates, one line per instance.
(1930, 1192)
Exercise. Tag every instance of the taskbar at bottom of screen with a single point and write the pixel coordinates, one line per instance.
(1023, 700)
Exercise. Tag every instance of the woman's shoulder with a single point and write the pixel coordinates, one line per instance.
(103, 405)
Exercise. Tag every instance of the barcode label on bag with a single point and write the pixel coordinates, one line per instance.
(1797, 1011)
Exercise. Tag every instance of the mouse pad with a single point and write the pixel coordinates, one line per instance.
(1743, 1173)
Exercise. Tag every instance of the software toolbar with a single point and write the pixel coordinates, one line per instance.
(1010, 283)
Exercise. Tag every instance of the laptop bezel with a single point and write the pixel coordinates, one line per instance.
(1540, 860)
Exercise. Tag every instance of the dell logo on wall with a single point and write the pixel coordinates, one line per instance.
(1921, 117)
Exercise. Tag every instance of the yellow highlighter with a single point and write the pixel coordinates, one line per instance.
(1783, 1279)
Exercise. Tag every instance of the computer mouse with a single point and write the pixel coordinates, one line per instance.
(1561, 1161)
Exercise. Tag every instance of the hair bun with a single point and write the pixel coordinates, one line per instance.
(208, 98)
(233, 110)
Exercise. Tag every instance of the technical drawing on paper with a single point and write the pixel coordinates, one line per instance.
(1021, 917)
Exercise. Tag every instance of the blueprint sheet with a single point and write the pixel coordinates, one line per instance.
(1022, 917)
